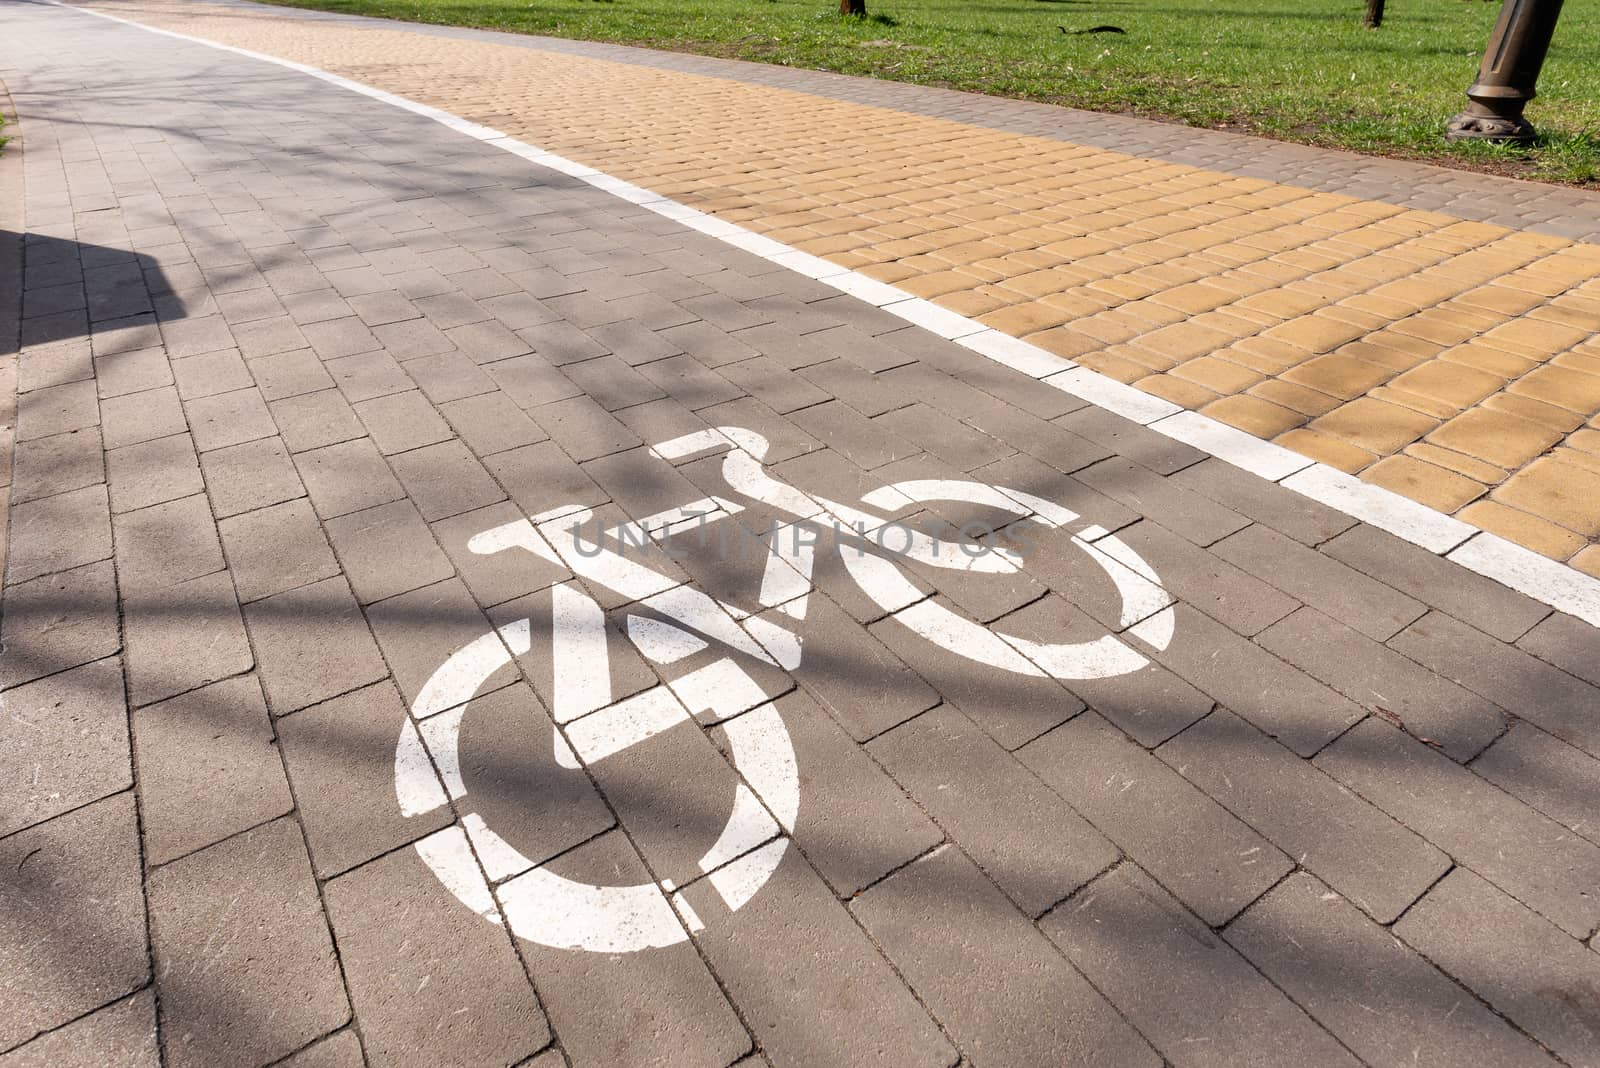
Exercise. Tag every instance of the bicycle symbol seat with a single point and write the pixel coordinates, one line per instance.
(681, 620)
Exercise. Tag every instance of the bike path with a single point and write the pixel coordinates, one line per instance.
(337, 734)
(1427, 331)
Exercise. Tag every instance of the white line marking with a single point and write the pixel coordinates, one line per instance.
(1096, 388)
(626, 724)
(581, 680)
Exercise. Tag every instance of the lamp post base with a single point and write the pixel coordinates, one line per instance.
(1468, 126)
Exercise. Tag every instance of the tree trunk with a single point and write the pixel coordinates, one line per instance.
(853, 7)
(1374, 17)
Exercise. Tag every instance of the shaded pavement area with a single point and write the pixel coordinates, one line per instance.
(990, 728)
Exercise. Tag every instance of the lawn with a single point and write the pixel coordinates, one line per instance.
(1300, 70)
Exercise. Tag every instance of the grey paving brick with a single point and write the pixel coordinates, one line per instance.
(583, 429)
(1553, 777)
(153, 472)
(123, 1033)
(1200, 520)
(1568, 643)
(1383, 1001)
(1031, 843)
(1483, 603)
(1200, 577)
(541, 477)
(611, 383)
(1185, 988)
(1515, 681)
(181, 636)
(57, 410)
(1432, 708)
(860, 440)
(192, 337)
(1376, 863)
(284, 957)
(948, 439)
(491, 423)
(71, 877)
(54, 364)
(708, 345)
(132, 372)
(241, 478)
(1528, 855)
(112, 335)
(795, 941)
(334, 338)
(1374, 609)
(1143, 446)
(57, 622)
(495, 577)
(367, 375)
(445, 480)
(347, 478)
(230, 419)
(166, 543)
(488, 341)
(1151, 703)
(584, 994)
(136, 417)
(70, 732)
(1012, 708)
(340, 756)
(772, 384)
(249, 305)
(855, 825)
(1029, 475)
(413, 339)
(402, 421)
(312, 420)
(188, 803)
(1301, 518)
(275, 549)
(860, 389)
(439, 986)
(313, 644)
(1203, 854)
(449, 376)
(315, 306)
(1283, 702)
(47, 466)
(998, 987)
(384, 306)
(531, 380)
(558, 343)
(1525, 968)
(268, 337)
(387, 550)
(724, 312)
(342, 1049)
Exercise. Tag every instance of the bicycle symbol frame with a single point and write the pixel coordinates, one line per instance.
(552, 910)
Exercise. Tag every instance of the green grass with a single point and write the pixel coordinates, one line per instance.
(1300, 70)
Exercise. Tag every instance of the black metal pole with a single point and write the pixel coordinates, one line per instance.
(1509, 73)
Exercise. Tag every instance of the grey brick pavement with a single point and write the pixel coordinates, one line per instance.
(280, 352)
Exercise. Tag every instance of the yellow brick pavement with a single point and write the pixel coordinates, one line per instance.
(1454, 362)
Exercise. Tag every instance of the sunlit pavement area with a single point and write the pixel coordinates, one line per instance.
(462, 608)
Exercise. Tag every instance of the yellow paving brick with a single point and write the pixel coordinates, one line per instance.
(1434, 486)
(1375, 425)
(1496, 437)
(1115, 365)
(1254, 415)
(1588, 561)
(1485, 357)
(1325, 449)
(1217, 374)
(1178, 390)
(1064, 341)
(1436, 409)
(1530, 531)
(1500, 300)
(1553, 416)
(1307, 402)
(1536, 337)
(1316, 333)
(1574, 390)
(1563, 493)
(1585, 441)
(1338, 375)
(1453, 384)
(1459, 462)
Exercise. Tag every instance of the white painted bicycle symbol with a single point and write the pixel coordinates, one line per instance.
(552, 910)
